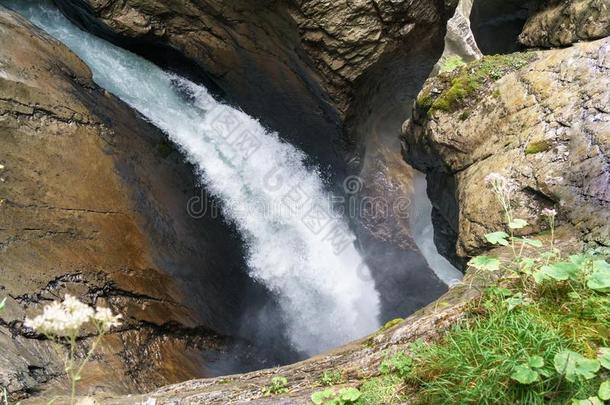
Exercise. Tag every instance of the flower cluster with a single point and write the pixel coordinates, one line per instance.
(67, 317)
(501, 184)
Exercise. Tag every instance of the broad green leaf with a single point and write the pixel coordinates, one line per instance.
(2, 304)
(540, 276)
(575, 366)
(485, 263)
(599, 280)
(517, 223)
(561, 271)
(604, 391)
(536, 362)
(497, 238)
(532, 242)
(604, 357)
(350, 394)
(524, 374)
(579, 260)
(320, 397)
(601, 265)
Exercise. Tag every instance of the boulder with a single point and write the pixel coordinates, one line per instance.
(539, 119)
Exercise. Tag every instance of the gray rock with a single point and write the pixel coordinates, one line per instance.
(564, 22)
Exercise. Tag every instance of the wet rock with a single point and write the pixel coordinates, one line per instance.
(545, 126)
(89, 206)
(564, 22)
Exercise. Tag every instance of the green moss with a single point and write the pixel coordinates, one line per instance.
(391, 324)
(538, 147)
(451, 63)
(465, 83)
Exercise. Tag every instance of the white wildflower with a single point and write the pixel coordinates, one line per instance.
(1, 167)
(61, 318)
(501, 184)
(106, 319)
(493, 178)
(549, 212)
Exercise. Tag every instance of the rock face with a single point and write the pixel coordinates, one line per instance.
(294, 65)
(545, 126)
(459, 39)
(564, 22)
(91, 203)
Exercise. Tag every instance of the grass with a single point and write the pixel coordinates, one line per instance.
(473, 363)
(382, 390)
(462, 83)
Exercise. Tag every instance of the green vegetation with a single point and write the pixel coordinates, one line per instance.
(540, 336)
(451, 63)
(331, 378)
(385, 389)
(537, 147)
(345, 396)
(392, 323)
(462, 84)
(279, 385)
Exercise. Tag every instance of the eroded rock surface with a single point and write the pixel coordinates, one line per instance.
(92, 205)
(294, 65)
(545, 126)
(564, 22)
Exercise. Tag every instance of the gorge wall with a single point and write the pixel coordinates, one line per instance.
(321, 73)
(90, 203)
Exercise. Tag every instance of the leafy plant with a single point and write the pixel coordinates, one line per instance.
(529, 372)
(279, 385)
(345, 396)
(574, 366)
(400, 364)
(330, 378)
(532, 339)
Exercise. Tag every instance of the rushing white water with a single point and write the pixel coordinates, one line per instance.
(295, 247)
(423, 233)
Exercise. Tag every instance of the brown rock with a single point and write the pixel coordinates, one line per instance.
(564, 22)
(545, 126)
(294, 65)
(89, 206)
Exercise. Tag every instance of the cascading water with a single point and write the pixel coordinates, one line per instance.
(297, 246)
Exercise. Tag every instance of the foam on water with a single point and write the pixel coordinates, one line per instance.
(325, 293)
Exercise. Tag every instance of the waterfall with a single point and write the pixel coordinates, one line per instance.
(297, 245)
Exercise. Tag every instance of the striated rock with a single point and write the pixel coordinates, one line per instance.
(92, 205)
(564, 22)
(546, 126)
(294, 65)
